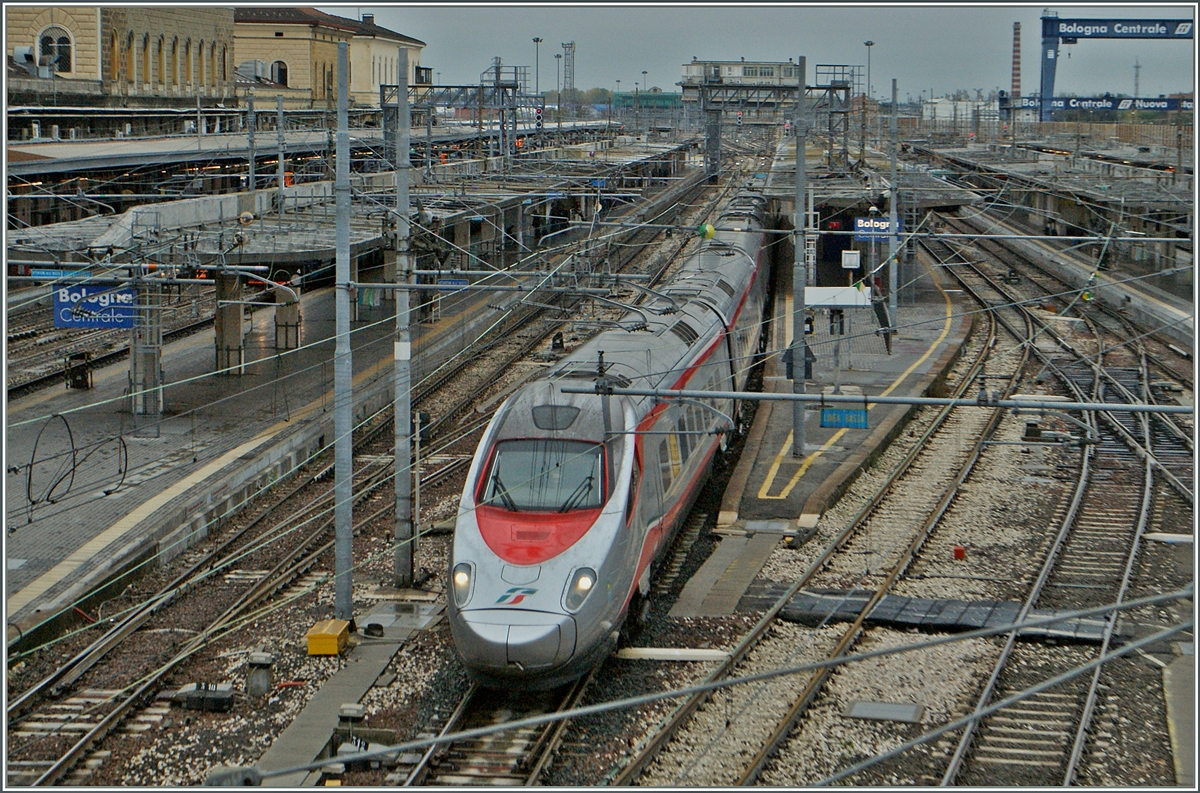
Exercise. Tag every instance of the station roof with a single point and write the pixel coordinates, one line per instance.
(291, 15)
(308, 229)
(1097, 181)
(847, 190)
(35, 158)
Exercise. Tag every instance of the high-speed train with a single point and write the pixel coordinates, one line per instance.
(572, 498)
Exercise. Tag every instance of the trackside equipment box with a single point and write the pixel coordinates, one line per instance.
(328, 637)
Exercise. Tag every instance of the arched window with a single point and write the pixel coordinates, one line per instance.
(114, 57)
(145, 75)
(223, 56)
(129, 76)
(279, 73)
(187, 62)
(212, 63)
(55, 42)
(158, 61)
(175, 61)
(200, 64)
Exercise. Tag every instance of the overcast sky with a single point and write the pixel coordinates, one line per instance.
(938, 48)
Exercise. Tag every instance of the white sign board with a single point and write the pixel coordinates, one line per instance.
(837, 297)
(851, 260)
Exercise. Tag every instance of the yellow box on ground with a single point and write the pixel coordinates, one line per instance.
(328, 637)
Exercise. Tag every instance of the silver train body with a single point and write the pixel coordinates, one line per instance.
(572, 498)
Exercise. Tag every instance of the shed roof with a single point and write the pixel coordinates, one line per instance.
(311, 16)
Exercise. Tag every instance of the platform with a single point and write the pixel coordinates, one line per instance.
(136, 493)
(771, 494)
(773, 484)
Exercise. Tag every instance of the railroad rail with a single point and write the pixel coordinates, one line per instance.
(231, 559)
(949, 469)
(500, 758)
(1041, 740)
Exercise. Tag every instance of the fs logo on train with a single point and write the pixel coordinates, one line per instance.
(514, 596)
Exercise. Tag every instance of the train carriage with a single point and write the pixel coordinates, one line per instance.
(572, 498)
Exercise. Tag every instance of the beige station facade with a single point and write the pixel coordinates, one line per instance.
(158, 52)
(174, 55)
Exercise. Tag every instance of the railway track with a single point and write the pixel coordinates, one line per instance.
(939, 461)
(1114, 336)
(1041, 739)
(1165, 354)
(507, 758)
(50, 756)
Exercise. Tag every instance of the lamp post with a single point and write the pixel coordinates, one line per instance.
(637, 111)
(558, 93)
(537, 63)
(866, 101)
(646, 87)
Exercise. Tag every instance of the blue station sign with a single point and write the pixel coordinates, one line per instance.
(844, 418)
(1116, 28)
(1109, 103)
(104, 306)
(867, 229)
(451, 284)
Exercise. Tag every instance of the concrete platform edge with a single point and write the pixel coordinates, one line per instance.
(184, 521)
(837, 483)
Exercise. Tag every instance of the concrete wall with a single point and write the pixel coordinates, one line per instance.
(208, 209)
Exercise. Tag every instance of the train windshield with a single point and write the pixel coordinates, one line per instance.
(545, 476)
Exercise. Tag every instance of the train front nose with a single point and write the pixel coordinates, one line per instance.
(512, 640)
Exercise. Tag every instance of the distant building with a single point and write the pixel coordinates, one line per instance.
(112, 55)
(759, 87)
(297, 48)
(654, 98)
(741, 72)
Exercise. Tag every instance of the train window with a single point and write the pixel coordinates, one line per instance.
(664, 465)
(545, 476)
(554, 417)
(685, 441)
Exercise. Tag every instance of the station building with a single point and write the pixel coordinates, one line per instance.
(296, 49)
(171, 57)
(119, 56)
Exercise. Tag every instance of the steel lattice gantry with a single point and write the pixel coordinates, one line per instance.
(837, 81)
(502, 94)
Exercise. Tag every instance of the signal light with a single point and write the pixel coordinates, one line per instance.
(537, 118)
(739, 118)
(706, 231)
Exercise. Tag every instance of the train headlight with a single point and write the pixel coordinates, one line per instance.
(582, 582)
(460, 579)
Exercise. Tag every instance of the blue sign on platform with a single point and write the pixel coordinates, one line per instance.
(1117, 28)
(52, 275)
(867, 229)
(1109, 103)
(844, 418)
(94, 306)
(451, 284)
